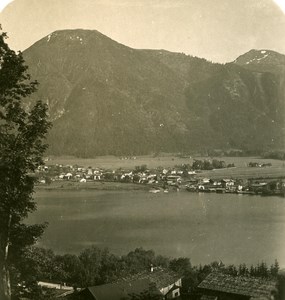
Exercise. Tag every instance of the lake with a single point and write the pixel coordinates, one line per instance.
(202, 226)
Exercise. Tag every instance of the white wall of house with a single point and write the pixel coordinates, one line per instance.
(166, 289)
(173, 294)
(57, 286)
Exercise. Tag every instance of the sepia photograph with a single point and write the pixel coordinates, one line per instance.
(142, 149)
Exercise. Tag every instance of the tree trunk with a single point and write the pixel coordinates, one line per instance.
(5, 271)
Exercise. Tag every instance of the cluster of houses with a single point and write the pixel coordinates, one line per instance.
(268, 187)
(161, 179)
(138, 175)
(163, 284)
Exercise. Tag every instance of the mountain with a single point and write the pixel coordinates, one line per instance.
(262, 61)
(107, 98)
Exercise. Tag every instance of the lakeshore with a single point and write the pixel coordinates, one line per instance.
(229, 175)
(153, 188)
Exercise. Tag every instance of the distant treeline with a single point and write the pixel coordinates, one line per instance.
(280, 155)
(210, 164)
(205, 164)
(94, 266)
(274, 155)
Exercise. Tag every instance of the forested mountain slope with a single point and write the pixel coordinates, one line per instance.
(106, 98)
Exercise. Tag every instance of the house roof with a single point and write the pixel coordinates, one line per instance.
(208, 297)
(241, 285)
(159, 276)
(62, 293)
(122, 289)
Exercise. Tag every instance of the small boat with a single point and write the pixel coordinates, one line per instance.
(245, 192)
(154, 190)
(191, 188)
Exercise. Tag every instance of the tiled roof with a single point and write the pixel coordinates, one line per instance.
(159, 276)
(208, 297)
(119, 290)
(241, 285)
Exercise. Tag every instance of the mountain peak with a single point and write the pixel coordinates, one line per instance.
(78, 31)
(72, 37)
(261, 57)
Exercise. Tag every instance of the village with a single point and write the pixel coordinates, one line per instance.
(183, 177)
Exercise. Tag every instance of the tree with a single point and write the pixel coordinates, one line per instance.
(141, 168)
(180, 265)
(243, 270)
(139, 260)
(98, 266)
(22, 134)
(35, 263)
(281, 285)
(274, 269)
(71, 267)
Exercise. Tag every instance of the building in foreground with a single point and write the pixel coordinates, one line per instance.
(218, 286)
(166, 281)
(156, 283)
(123, 290)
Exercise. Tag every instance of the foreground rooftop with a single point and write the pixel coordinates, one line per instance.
(239, 285)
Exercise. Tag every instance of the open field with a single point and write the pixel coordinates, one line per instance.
(113, 162)
(169, 161)
(245, 172)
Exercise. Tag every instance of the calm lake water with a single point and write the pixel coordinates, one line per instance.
(204, 227)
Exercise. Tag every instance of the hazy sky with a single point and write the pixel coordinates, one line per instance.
(219, 30)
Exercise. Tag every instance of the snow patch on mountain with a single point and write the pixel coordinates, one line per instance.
(76, 38)
(258, 59)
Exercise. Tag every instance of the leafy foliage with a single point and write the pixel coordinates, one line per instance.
(274, 155)
(22, 134)
(209, 165)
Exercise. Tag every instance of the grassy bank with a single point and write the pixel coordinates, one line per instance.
(92, 185)
(246, 173)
